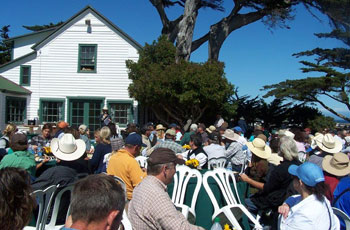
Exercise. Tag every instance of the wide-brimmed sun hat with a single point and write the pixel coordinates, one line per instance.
(160, 127)
(67, 148)
(259, 148)
(328, 143)
(231, 135)
(337, 165)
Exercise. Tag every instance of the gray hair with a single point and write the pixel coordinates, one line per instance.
(154, 170)
(194, 127)
(288, 148)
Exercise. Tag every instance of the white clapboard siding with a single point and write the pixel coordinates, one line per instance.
(22, 45)
(54, 70)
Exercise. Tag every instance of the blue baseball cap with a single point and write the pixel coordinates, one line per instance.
(238, 129)
(172, 125)
(309, 173)
(134, 139)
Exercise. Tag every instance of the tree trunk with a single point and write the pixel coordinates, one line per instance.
(186, 28)
(221, 30)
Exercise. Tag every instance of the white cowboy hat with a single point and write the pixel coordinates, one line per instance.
(328, 143)
(337, 165)
(105, 107)
(229, 134)
(259, 148)
(67, 148)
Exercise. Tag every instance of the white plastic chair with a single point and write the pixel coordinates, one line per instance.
(44, 199)
(142, 161)
(52, 224)
(214, 163)
(222, 178)
(181, 179)
(342, 215)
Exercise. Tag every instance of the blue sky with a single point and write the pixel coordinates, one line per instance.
(254, 56)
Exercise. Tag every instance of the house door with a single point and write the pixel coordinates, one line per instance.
(85, 112)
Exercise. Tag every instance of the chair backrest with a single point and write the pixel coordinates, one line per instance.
(142, 160)
(44, 199)
(181, 179)
(214, 163)
(122, 183)
(343, 216)
(222, 177)
(56, 205)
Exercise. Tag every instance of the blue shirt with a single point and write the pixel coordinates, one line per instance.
(96, 162)
(343, 201)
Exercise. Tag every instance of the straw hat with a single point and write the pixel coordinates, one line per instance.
(337, 165)
(229, 134)
(160, 127)
(328, 143)
(211, 129)
(259, 148)
(67, 148)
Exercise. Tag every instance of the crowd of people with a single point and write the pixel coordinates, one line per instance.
(296, 173)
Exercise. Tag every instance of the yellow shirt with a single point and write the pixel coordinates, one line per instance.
(123, 165)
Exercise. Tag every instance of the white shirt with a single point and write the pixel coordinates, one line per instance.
(309, 214)
(214, 151)
(201, 157)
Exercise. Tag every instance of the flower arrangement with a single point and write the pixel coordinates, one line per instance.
(186, 147)
(46, 150)
(193, 163)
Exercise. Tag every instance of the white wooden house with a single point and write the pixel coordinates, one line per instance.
(72, 71)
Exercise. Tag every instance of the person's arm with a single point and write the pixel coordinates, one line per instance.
(171, 219)
(136, 174)
(254, 183)
(95, 158)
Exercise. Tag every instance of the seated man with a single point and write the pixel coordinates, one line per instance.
(123, 163)
(97, 203)
(20, 158)
(151, 206)
(169, 143)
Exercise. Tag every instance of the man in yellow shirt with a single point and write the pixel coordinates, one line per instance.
(123, 163)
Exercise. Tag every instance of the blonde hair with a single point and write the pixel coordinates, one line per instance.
(105, 134)
(10, 128)
(288, 148)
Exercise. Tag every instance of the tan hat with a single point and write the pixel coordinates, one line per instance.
(160, 127)
(337, 165)
(170, 132)
(259, 148)
(211, 129)
(229, 134)
(328, 143)
(105, 107)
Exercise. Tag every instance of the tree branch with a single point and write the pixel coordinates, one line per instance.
(330, 109)
(197, 43)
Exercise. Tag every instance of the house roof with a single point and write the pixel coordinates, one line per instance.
(32, 33)
(57, 31)
(17, 59)
(8, 86)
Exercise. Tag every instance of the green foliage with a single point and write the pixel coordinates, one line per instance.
(5, 47)
(276, 113)
(42, 27)
(177, 91)
(320, 123)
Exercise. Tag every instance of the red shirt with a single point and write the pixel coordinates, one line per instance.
(332, 182)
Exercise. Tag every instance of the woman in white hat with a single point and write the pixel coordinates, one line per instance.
(335, 167)
(275, 190)
(259, 165)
